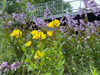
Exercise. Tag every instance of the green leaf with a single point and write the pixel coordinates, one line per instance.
(41, 63)
(62, 45)
(55, 44)
(27, 60)
(61, 63)
(4, 4)
(79, 48)
(47, 74)
(61, 72)
(24, 50)
(4, 36)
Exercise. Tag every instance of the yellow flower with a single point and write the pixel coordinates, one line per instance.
(34, 32)
(35, 57)
(16, 33)
(39, 35)
(47, 57)
(28, 43)
(49, 33)
(51, 25)
(38, 54)
(42, 35)
(36, 36)
(56, 23)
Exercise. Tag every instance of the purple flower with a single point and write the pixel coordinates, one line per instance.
(34, 9)
(0, 72)
(30, 7)
(0, 67)
(10, 23)
(92, 4)
(28, 4)
(46, 13)
(7, 68)
(4, 64)
(19, 1)
(62, 29)
(19, 17)
(52, 16)
(14, 15)
(85, 2)
(15, 65)
(81, 11)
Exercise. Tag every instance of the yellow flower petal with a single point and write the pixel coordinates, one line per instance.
(38, 54)
(16, 33)
(28, 43)
(34, 32)
(51, 25)
(49, 33)
(56, 23)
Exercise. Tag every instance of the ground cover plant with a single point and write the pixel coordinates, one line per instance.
(36, 47)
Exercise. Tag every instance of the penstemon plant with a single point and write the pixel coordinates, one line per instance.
(43, 48)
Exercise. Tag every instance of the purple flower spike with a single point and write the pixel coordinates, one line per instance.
(18, 64)
(46, 13)
(28, 4)
(19, 1)
(15, 65)
(0, 72)
(7, 68)
(9, 23)
(0, 67)
(4, 64)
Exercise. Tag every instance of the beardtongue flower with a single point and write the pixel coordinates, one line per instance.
(28, 4)
(85, 2)
(39, 22)
(7, 68)
(4, 64)
(15, 65)
(92, 4)
(14, 15)
(46, 13)
(31, 7)
(9, 23)
(0, 72)
(19, 1)
(19, 17)
(81, 11)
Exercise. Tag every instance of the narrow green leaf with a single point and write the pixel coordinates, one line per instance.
(4, 4)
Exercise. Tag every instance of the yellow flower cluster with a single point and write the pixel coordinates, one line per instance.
(38, 54)
(49, 33)
(28, 43)
(54, 23)
(38, 35)
(16, 33)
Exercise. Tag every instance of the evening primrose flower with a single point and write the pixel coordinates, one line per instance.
(42, 35)
(28, 43)
(38, 35)
(34, 32)
(51, 25)
(49, 33)
(16, 33)
(38, 54)
(56, 23)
